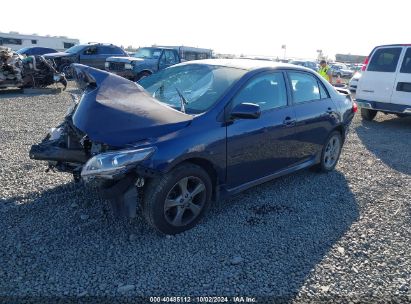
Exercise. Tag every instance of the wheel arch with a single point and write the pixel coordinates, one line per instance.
(207, 166)
(341, 129)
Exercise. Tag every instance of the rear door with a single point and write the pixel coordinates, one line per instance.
(402, 89)
(378, 81)
(316, 114)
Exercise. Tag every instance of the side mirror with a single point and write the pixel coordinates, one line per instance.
(246, 110)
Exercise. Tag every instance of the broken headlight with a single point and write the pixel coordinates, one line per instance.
(107, 165)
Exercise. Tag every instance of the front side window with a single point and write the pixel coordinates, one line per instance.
(305, 87)
(196, 86)
(385, 60)
(91, 51)
(170, 58)
(406, 63)
(268, 91)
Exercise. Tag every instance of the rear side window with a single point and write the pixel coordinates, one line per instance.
(406, 63)
(305, 87)
(385, 60)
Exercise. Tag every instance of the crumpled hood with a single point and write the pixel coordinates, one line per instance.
(124, 59)
(56, 55)
(117, 111)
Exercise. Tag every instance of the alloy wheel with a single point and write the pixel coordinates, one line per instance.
(332, 151)
(185, 201)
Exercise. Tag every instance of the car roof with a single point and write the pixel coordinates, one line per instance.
(398, 44)
(247, 64)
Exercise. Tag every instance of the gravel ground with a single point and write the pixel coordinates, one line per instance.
(343, 236)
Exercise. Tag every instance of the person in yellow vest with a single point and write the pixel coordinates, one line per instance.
(325, 71)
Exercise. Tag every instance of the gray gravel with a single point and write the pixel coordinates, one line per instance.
(303, 238)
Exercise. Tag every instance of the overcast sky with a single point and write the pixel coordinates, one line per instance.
(241, 27)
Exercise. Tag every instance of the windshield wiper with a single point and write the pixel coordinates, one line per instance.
(183, 101)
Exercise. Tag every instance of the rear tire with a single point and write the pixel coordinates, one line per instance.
(177, 201)
(330, 153)
(368, 114)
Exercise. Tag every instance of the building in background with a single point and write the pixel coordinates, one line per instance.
(16, 41)
(348, 58)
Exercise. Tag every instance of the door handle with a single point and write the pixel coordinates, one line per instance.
(288, 121)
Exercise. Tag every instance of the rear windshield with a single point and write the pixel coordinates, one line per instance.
(385, 60)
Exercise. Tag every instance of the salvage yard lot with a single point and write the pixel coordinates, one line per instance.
(307, 236)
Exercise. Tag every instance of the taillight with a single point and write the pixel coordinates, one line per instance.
(354, 107)
(365, 63)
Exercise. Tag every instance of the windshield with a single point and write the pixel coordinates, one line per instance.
(21, 51)
(150, 53)
(192, 88)
(75, 49)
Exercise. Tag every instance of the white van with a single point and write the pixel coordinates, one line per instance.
(385, 83)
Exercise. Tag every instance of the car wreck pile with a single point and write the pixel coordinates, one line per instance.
(27, 72)
(11, 66)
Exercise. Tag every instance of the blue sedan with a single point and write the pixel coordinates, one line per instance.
(196, 132)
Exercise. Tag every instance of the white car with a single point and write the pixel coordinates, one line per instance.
(386, 82)
(353, 83)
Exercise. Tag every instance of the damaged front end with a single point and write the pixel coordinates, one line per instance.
(105, 137)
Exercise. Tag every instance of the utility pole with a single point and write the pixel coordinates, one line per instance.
(320, 55)
(284, 47)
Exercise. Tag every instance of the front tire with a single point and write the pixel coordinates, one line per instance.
(330, 153)
(368, 114)
(177, 201)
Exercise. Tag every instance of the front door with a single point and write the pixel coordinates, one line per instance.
(402, 89)
(260, 147)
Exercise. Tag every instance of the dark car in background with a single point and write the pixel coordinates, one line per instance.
(196, 132)
(341, 70)
(306, 63)
(32, 51)
(91, 54)
(142, 63)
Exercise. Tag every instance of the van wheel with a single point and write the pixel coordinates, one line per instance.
(330, 153)
(368, 114)
(178, 200)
